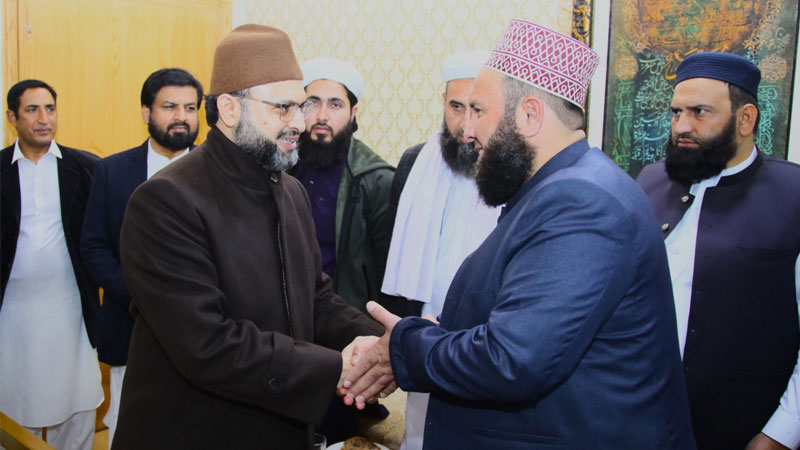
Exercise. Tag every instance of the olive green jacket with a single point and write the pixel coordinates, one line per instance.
(363, 225)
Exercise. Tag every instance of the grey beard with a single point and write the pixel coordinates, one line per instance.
(260, 148)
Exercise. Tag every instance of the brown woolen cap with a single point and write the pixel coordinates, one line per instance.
(252, 55)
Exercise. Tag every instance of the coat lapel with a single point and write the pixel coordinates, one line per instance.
(137, 169)
(9, 181)
(68, 179)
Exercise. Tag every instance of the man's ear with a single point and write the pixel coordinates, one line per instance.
(353, 112)
(12, 117)
(145, 114)
(747, 119)
(530, 116)
(230, 110)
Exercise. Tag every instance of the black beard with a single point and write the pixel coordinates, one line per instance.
(174, 142)
(506, 164)
(461, 158)
(691, 165)
(261, 149)
(320, 154)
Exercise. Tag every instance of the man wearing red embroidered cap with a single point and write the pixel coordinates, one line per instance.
(558, 330)
(731, 224)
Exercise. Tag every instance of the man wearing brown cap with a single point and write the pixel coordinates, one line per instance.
(730, 217)
(237, 334)
(558, 330)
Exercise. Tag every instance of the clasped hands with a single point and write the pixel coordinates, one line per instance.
(366, 367)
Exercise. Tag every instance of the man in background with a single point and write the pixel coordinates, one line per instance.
(237, 334)
(49, 377)
(170, 99)
(347, 183)
(558, 330)
(348, 187)
(731, 223)
(441, 218)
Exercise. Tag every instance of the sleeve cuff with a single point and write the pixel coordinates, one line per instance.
(784, 428)
(399, 368)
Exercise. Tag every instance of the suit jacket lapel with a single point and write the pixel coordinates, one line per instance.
(138, 166)
(9, 181)
(68, 179)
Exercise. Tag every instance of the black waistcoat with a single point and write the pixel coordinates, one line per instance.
(743, 335)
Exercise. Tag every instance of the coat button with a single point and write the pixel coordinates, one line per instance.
(665, 227)
(273, 385)
(685, 198)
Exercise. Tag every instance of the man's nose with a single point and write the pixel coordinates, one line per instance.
(298, 121)
(468, 125)
(681, 124)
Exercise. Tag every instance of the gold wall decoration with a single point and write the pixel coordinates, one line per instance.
(582, 21)
(649, 39)
(399, 48)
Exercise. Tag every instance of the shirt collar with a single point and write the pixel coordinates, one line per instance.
(54, 150)
(154, 154)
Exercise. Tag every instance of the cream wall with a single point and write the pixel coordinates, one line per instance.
(398, 46)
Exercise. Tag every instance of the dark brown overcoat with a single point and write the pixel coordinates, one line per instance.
(237, 335)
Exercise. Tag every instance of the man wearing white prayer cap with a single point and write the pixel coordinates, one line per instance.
(440, 216)
(348, 184)
(558, 331)
(348, 187)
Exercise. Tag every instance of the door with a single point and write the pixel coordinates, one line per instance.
(97, 53)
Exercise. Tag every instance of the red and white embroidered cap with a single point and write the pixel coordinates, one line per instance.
(545, 59)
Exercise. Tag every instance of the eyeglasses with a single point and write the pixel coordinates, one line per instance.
(289, 109)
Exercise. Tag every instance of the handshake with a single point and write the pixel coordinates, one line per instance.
(366, 366)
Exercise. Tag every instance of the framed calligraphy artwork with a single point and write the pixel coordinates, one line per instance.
(649, 38)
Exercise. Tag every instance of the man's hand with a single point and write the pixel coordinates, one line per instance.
(764, 442)
(351, 354)
(372, 374)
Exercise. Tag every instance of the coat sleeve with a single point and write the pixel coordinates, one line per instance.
(568, 265)
(380, 221)
(171, 272)
(96, 243)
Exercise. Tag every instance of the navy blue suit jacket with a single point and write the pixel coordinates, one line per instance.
(559, 330)
(74, 178)
(115, 179)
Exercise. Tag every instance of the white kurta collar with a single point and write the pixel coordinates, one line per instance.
(54, 150)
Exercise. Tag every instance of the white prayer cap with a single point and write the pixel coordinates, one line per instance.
(465, 64)
(335, 70)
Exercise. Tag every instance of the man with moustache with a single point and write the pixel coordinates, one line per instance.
(441, 218)
(348, 187)
(237, 334)
(49, 377)
(559, 329)
(347, 183)
(170, 99)
(731, 223)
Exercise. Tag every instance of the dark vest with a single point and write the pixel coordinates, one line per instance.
(743, 334)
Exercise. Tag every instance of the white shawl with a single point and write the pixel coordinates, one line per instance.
(415, 246)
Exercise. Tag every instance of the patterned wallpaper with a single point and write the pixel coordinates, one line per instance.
(398, 46)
